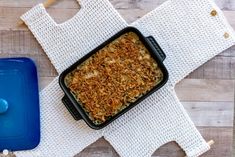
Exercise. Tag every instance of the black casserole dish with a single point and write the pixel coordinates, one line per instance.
(113, 78)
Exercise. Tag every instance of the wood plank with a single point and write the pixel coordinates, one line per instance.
(10, 15)
(71, 4)
(230, 4)
(44, 81)
(222, 148)
(213, 114)
(130, 15)
(192, 90)
(219, 114)
(220, 67)
(234, 125)
(41, 61)
(9, 155)
(229, 52)
(151, 4)
(205, 90)
(66, 4)
(22, 43)
(147, 5)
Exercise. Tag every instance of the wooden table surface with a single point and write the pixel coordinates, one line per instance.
(207, 94)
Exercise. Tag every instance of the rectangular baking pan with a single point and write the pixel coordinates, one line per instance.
(76, 109)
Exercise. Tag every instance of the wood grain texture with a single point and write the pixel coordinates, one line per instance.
(205, 105)
(22, 43)
(19, 43)
(221, 135)
(213, 114)
(207, 94)
(73, 4)
(205, 90)
(130, 10)
(66, 4)
(221, 67)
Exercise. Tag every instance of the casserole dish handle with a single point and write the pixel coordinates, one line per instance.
(71, 108)
(158, 51)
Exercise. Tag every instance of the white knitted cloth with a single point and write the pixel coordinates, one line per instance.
(189, 36)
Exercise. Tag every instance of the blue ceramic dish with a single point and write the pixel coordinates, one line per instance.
(19, 104)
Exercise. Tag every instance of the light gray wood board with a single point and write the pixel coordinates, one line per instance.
(221, 148)
(192, 90)
(151, 4)
(233, 127)
(71, 4)
(208, 102)
(22, 43)
(205, 90)
(222, 137)
(130, 10)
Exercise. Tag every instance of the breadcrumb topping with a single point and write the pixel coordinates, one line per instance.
(114, 77)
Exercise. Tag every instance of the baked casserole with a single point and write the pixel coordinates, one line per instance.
(114, 77)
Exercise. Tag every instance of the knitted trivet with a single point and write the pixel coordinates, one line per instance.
(188, 33)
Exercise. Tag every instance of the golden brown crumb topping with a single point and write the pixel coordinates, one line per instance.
(114, 77)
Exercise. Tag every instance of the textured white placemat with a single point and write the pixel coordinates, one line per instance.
(187, 33)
